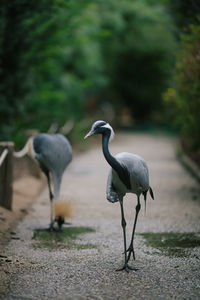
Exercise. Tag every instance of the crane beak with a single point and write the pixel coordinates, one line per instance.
(88, 134)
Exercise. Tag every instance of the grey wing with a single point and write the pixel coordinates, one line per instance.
(111, 193)
(140, 175)
(137, 169)
(53, 151)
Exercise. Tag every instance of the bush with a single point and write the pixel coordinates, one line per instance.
(184, 98)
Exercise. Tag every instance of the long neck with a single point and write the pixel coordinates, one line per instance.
(110, 159)
(113, 162)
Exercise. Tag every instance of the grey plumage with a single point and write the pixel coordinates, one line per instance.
(139, 177)
(128, 174)
(53, 153)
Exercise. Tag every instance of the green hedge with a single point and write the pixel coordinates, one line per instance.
(183, 100)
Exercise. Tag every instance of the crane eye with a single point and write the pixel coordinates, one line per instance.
(98, 126)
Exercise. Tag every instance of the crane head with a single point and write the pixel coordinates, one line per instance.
(101, 127)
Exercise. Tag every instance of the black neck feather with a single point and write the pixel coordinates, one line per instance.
(114, 163)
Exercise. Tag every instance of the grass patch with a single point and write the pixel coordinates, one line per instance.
(172, 244)
(67, 239)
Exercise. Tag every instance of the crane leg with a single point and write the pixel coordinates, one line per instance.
(51, 196)
(126, 267)
(131, 248)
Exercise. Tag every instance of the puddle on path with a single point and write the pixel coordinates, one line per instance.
(69, 238)
(172, 244)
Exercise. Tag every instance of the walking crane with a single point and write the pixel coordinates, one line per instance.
(128, 174)
(53, 152)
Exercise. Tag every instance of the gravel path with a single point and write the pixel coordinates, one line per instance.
(90, 273)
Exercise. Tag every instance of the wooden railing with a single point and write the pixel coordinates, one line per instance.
(6, 174)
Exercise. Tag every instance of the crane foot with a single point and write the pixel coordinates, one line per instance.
(127, 268)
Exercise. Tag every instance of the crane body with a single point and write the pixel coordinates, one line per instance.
(53, 153)
(128, 174)
(139, 181)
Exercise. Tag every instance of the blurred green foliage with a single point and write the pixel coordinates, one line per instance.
(50, 62)
(184, 12)
(56, 56)
(183, 100)
(139, 55)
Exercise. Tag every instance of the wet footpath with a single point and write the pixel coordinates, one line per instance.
(167, 241)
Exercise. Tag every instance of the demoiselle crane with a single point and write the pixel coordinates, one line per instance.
(128, 174)
(53, 152)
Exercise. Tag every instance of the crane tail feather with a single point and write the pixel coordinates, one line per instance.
(145, 200)
(25, 150)
(151, 193)
(63, 209)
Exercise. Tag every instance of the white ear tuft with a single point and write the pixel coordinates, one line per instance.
(112, 134)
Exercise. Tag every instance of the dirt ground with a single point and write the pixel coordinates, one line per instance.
(74, 274)
(28, 184)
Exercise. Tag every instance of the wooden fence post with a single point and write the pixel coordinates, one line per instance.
(6, 174)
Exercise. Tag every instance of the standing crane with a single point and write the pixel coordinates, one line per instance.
(128, 174)
(53, 152)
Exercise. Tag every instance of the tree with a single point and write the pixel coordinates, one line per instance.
(139, 54)
(184, 98)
